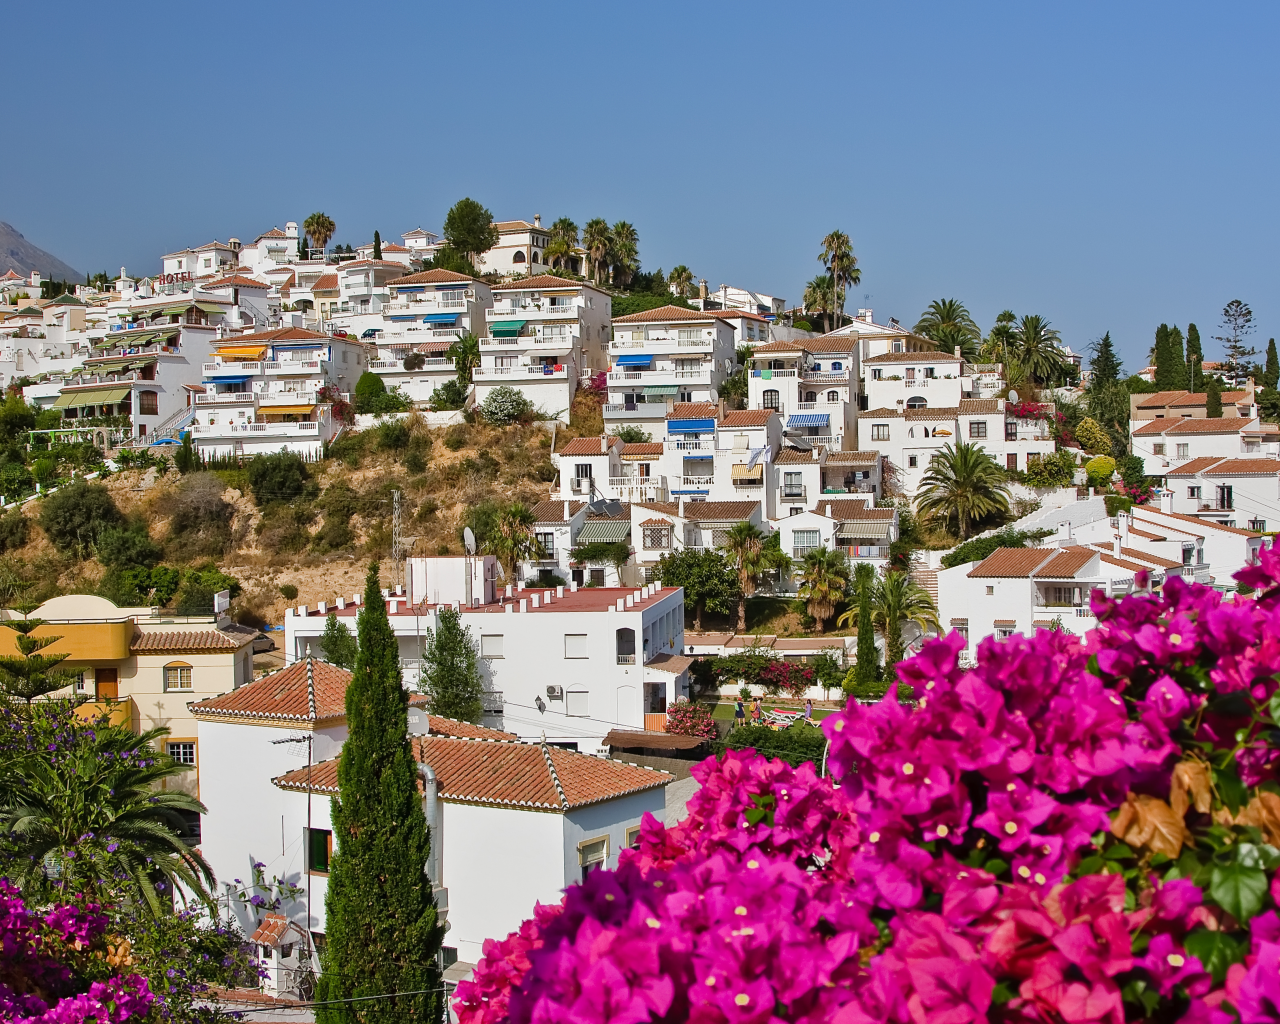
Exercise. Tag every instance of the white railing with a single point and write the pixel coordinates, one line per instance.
(221, 367)
(803, 406)
(227, 398)
(698, 481)
(639, 488)
(691, 374)
(625, 376)
(774, 374)
(626, 344)
(794, 493)
(865, 550)
(221, 429)
(823, 378)
(689, 446)
(512, 342)
(566, 340)
(922, 382)
(693, 343)
(386, 364)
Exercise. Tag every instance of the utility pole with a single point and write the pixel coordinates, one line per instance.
(397, 541)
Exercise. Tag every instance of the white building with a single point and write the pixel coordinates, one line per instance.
(729, 299)
(422, 245)
(520, 249)
(1231, 492)
(1166, 442)
(916, 380)
(269, 250)
(661, 528)
(813, 384)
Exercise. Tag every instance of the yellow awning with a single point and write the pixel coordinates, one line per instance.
(292, 410)
(742, 472)
(243, 351)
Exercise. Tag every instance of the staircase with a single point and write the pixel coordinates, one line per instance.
(924, 577)
(171, 427)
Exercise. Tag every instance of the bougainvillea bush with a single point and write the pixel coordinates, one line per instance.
(1071, 831)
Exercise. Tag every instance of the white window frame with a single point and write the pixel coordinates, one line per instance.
(491, 646)
(575, 646)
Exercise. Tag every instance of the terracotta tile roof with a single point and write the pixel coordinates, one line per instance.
(629, 739)
(506, 774)
(1192, 425)
(719, 511)
(1194, 466)
(693, 410)
(273, 233)
(671, 508)
(673, 663)
(1162, 399)
(850, 508)
(794, 457)
(642, 448)
(1209, 524)
(851, 458)
(655, 522)
(438, 725)
(237, 281)
(690, 637)
(809, 644)
(325, 283)
(748, 640)
(737, 314)
(1146, 536)
(774, 347)
(553, 511)
(943, 413)
(1202, 398)
(270, 930)
(1066, 563)
(309, 690)
(431, 277)
(538, 283)
(1004, 622)
(915, 357)
(979, 406)
(837, 344)
(1012, 563)
(586, 446)
(1145, 556)
(664, 314)
(279, 334)
(189, 640)
(881, 413)
(1246, 467)
(748, 417)
(1122, 563)
(512, 225)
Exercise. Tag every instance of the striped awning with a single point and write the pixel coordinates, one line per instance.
(93, 396)
(741, 471)
(868, 528)
(291, 410)
(809, 419)
(250, 352)
(661, 389)
(606, 531)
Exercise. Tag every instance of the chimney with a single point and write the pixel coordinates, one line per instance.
(1166, 501)
(524, 605)
(1115, 545)
(566, 511)
(702, 288)
(291, 230)
(604, 444)
(1122, 523)
(957, 351)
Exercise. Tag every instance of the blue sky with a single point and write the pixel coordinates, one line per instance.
(1108, 166)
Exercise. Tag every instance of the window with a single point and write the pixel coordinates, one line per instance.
(592, 855)
(877, 374)
(879, 431)
(1189, 553)
(597, 578)
(1193, 492)
(804, 541)
(148, 403)
(978, 428)
(689, 335)
(518, 257)
(107, 683)
(837, 366)
(625, 641)
(1004, 632)
(1157, 449)
(1010, 430)
(182, 752)
(833, 397)
(633, 837)
(319, 849)
(991, 591)
(548, 543)
(792, 485)
(575, 703)
(177, 677)
(657, 538)
(1011, 461)
(928, 372)
(575, 645)
(796, 511)
(912, 462)
(811, 396)
(1184, 451)
(1256, 525)
(491, 645)
(770, 399)
(897, 346)
(582, 469)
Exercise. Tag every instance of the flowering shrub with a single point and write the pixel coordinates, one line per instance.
(1025, 410)
(60, 967)
(1071, 831)
(689, 718)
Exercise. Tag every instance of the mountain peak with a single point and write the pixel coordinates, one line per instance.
(20, 256)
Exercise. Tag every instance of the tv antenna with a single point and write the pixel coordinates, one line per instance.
(397, 539)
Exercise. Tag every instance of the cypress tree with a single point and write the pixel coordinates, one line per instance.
(1103, 363)
(453, 684)
(1177, 361)
(1271, 375)
(1195, 359)
(866, 667)
(1160, 358)
(377, 246)
(383, 935)
(1213, 403)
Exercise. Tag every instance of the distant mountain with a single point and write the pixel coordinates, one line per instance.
(20, 256)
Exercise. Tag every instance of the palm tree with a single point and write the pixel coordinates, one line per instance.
(963, 481)
(319, 228)
(626, 253)
(465, 353)
(513, 540)
(944, 313)
(1037, 345)
(819, 297)
(825, 577)
(842, 265)
(94, 809)
(996, 348)
(897, 600)
(681, 281)
(564, 239)
(951, 337)
(743, 546)
(598, 242)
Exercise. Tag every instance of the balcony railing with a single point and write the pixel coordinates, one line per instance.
(237, 368)
(228, 398)
(1217, 506)
(226, 429)
(643, 410)
(774, 374)
(697, 481)
(825, 378)
(639, 488)
(626, 659)
(801, 552)
(794, 493)
(865, 550)
(689, 446)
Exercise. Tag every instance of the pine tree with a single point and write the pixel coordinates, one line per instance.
(1271, 375)
(865, 576)
(1103, 363)
(382, 931)
(1237, 324)
(1160, 358)
(30, 674)
(1177, 361)
(339, 646)
(453, 683)
(1195, 359)
(1213, 403)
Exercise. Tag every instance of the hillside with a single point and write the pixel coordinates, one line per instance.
(20, 256)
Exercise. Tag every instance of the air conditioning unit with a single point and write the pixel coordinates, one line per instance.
(555, 692)
(580, 484)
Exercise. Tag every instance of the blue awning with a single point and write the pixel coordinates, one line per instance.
(402, 319)
(693, 490)
(440, 318)
(406, 291)
(633, 361)
(690, 426)
(809, 419)
(699, 458)
(228, 380)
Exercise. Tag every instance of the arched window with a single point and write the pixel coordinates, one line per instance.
(811, 396)
(916, 402)
(535, 258)
(177, 676)
(836, 367)
(518, 257)
(626, 646)
(833, 396)
(770, 399)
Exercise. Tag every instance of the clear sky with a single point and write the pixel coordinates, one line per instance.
(1108, 166)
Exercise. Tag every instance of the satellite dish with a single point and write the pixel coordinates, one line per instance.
(469, 540)
(1013, 397)
(715, 395)
(502, 574)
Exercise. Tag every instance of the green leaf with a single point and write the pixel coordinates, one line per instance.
(1090, 866)
(996, 867)
(1273, 707)
(1002, 993)
(1234, 793)
(1216, 950)
(1237, 889)
(1257, 855)
(1118, 852)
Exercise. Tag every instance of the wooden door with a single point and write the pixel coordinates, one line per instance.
(107, 683)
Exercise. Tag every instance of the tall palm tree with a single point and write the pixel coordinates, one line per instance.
(319, 228)
(465, 353)
(1037, 345)
(681, 281)
(744, 548)
(951, 337)
(626, 253)
(837, 256)
(824, 579)
(564, 239)
(93, 808)
(898, 600)
(598, 241)
(819, 297)
(513, 540)
(964, 481)
(946, 313)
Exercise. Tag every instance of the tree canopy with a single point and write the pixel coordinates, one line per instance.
(469, 228)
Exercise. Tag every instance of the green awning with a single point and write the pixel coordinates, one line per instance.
(121, 339)
(97, 396)
(209, 307)
(506, 329)
(661, 389)
(607, 531)
(175, 310)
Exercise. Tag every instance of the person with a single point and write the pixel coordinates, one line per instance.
(739, 714)
(808, 709)
(756, 713)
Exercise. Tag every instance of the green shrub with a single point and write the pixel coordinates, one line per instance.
(348, 449)
(505, 405)
(130, 545)
(455, 438)
(369, 390)
(392, 435)
(45, 471)
(15, 530)
(278, 477)
(288, 591)
(979, 548)
(632, 434)
(200, 518)
(75, 517)
(1092, 437)
(1117, 503)
(1099, 470)
(452, 394)
(795, 744)
(199, 585)
(1057, 469)
(15, 480)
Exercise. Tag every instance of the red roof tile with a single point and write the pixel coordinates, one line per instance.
(665, 314)
(307, 691)
(719, 511)
(431, 277)
(237, 281)
(270, 930)
(437, 725)
(552, 511)
(642, 448)
(586, 446)
(748, 417)
(693, 410)
(915, 357)
(851, 508)
(1012, 563)
(538, 283)
(794, 457)
(851, 458)
(188, 640)
(1246, 467)
(1194, 466)
(1145, 556)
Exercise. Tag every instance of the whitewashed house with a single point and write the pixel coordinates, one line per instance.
(813, 384)
(1232, 492)
(520, 249)
(1163, 443)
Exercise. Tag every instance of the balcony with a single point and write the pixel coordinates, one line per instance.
(864, 550)
(228, 398)
(825, 378)
(1217, 506)
(662, 376)
(305, 429)
(503, 374)
(697, 481)
(118, 712)
(219, 369)
(293, 366)
(688, 446)
(639, 488)
(794, 493)
(533, 311)
(636, 410)
(773, 374)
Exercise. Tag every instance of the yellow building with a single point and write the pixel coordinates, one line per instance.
(143, 668)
